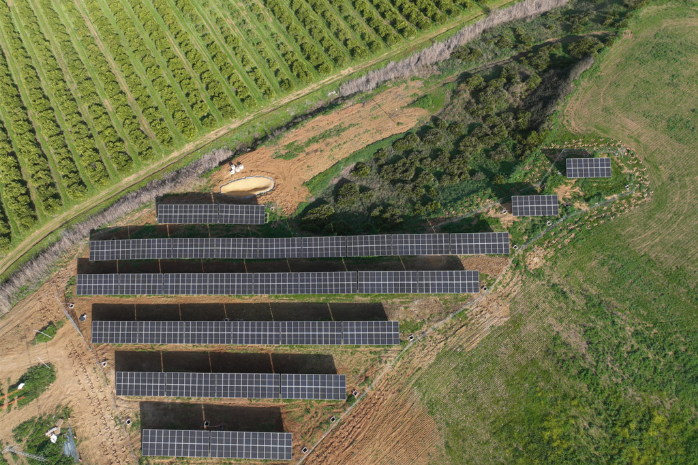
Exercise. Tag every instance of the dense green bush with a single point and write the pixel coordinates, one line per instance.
(36, 380)
(361, 170)
(585, 46)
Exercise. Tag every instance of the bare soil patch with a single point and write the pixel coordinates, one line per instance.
(493, 266)
(535, 258)
(357, 126)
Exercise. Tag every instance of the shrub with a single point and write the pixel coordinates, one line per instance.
(584, 47)
(361, 170)
(347, 195)
(317, 217)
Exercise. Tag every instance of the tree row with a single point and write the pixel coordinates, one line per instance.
(136, 85)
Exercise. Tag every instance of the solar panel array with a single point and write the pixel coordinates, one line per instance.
(334, 282)
(588, 168)
(247, 332)
(418, 282)
(250, 248)
(231, 385)
(210, 213)
(216, 444)
(535, 205)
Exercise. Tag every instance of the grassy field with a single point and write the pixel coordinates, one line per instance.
(597, 363)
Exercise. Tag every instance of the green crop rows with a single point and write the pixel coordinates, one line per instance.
(91, 91)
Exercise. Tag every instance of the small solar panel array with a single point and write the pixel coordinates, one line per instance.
(535, 205)
(247, 332)
(216, 444)
(335, 282)
(210, 213)
(231, 385)
(301, 247)
(588, 168)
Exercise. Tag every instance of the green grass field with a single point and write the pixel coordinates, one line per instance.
(597, 363)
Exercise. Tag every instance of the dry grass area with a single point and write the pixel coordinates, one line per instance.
(653, 113)
(336, 136)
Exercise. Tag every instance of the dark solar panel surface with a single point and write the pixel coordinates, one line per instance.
(417, 282)
(247, 445)
(140, 284)
(370, 246)
(421, 244)
(254, 333)
(175, 443)
(588, 168)
(309, 332)
(141, 384)
(240, 214)
(330, 246)
(187, 213)
(480, 243)
(535, 205)
(317, 387)
(98, 284)
(370, 332)
(449, 282)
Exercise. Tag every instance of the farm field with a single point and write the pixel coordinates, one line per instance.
(95, 91)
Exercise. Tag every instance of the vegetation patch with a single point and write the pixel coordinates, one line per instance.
(47, 332)
(36, 380)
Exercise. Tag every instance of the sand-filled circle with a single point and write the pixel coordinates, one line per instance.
(248, 187)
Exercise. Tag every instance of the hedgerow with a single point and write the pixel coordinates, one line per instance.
(33, 159)
(78, 129)
(88, 90)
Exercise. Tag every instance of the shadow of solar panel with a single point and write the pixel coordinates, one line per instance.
(534, 205)
(370, 246)
(388, 282)
(161, 332)
(187, 213)
(175, 443)
(207, 332)
(309, 332)
(317, 387)
(248, 445)
(588, 168)
(110, 250)
(140, 384)
(98, 284)
(284, 247)
(140, 284)
(319, 247)
(248, 386)
(480, 243)
(370, 332)
(421, 244)
(240, 214)
(333, 282)
(254, 333)
(449, 282)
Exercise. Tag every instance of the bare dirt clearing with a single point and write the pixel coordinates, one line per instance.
(324, 141)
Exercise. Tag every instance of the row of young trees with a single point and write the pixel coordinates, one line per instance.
(222, 61)
(24, 139)
(337, 27)
(290, 57)
(309, 50)
(175, 64)
(360, 28)
(88, 93)
(197, 61)
(153, 69)
(82, 137)
(380, 27)
(136, 85)
(391, 14)
(317, 31)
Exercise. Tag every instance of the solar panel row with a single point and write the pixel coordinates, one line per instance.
(534, 205)
(247, 332)
(336, 282)
(231, 385)
(588, 168)
(210, 214)
(216, 444)
(301, 247)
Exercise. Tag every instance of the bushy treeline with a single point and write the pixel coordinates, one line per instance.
(87, 90)
(136, 85)
(77, 128)
(24, 141)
